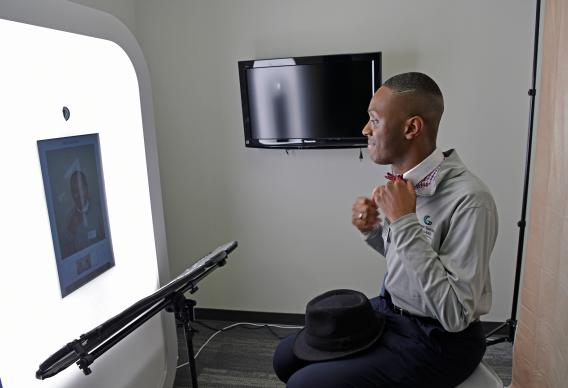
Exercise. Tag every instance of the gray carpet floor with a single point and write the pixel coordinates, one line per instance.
(242, 357)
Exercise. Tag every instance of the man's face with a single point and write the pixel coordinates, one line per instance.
(385, 128)
(79, 191)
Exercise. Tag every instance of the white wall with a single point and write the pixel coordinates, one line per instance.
(121, 9)
(291, 213)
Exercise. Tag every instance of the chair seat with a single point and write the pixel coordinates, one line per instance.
(482, 377)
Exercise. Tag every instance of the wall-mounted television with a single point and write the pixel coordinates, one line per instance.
(308, 102)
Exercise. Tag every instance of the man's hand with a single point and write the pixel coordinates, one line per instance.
(396, 199)
(365, 215)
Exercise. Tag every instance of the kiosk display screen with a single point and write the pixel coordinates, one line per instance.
(75, 195)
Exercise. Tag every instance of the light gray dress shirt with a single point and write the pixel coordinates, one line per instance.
(438, 258)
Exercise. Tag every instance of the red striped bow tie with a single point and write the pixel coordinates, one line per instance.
(393, 177)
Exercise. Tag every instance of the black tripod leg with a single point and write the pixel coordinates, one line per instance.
(184, 313)
(190, 354)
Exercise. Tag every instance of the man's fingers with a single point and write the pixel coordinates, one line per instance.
(364, 214)
(362, 204)
(375, 194)
(410, 186)
(378, 194)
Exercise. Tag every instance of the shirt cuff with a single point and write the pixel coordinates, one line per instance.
(372, 233)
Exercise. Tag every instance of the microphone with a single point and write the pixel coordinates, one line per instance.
(64, 357)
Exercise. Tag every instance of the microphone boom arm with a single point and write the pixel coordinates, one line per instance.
(91, 345)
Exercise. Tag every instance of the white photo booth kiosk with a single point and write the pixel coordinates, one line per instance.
(81, 223)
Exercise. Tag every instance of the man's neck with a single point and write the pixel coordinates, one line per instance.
(411, 160)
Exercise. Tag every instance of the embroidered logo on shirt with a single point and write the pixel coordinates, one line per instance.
(427, 227)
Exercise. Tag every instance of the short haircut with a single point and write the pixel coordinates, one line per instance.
(413, 82)
(422, 95)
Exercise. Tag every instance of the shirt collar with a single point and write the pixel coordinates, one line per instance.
(425, 167)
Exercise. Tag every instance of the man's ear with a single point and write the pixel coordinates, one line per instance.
(413, 127)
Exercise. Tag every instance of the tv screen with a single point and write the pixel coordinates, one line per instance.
(308, 102)
(76, 204)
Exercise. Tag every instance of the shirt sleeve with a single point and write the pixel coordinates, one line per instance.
(451, 281)
(374, 239)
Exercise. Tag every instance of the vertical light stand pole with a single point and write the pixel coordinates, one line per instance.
(511, 323)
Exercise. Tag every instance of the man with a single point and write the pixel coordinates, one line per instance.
(83, 222)
(436, 225)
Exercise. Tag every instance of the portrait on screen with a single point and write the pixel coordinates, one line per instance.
(75, 195)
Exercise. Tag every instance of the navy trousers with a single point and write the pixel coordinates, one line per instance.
(413, 352)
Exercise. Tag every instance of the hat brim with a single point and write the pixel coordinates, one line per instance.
(307, 353)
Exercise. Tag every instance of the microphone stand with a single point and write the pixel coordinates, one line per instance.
(183, 309)
(511, 323)
(90, 346)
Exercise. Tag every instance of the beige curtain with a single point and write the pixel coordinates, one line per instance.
(540, 357)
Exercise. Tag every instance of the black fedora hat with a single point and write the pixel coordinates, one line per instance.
(338, 323)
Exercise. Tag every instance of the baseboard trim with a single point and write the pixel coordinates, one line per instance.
(285, 318)
(249, 316)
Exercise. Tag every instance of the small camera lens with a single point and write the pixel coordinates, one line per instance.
(66, 113)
